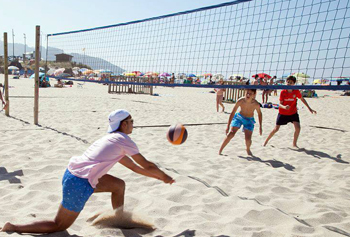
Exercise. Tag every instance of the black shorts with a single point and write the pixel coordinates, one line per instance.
(284, 119)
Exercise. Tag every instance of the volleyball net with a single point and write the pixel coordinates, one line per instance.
(233, 41)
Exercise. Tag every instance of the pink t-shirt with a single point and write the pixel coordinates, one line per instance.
(101, 156)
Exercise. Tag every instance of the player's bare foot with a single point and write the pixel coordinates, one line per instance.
(7, 227)
(295, 146)
(249, 152)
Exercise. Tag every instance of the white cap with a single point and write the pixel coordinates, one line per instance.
(115, 118)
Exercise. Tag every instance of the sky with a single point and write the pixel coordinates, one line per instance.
(274, 36)
(67, 15)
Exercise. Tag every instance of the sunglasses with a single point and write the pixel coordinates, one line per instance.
(131, 120)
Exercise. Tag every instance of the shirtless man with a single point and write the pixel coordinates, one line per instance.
(245, 117)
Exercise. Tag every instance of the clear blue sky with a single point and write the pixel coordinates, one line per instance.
(65, 15)
(273, 36)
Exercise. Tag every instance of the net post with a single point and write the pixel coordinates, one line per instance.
(6, 71)
(36, 80)
(151, 87)
(109, 85)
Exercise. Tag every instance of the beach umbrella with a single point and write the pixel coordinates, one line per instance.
(97, 71)
(76, 68)
(181, 75)
(236, 76)
(105, 71)
(64, 75)
(33, 75)
(262, 75)
(129, 74)
(218, 76)
(137, 73)
(83, 69)
(13, 68)
(340, 79)
(88, 72)
(165, 74)
(317, 81)
(151, 74)
(302, 81)
(301, 75)
(51, 71)
(58, 72)
(207, 74)
(191, 75)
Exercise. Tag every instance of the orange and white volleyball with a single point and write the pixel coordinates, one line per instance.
(177, 134)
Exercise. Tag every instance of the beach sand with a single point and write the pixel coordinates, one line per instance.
(279, 191)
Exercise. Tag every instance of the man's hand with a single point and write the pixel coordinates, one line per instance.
(168, 180)
(287, 107)
(312, 111)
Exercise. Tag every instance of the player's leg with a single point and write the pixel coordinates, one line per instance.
(228, 138)
(109, 183)
(220, 102)
(272, 133)
(63, 220)
(248, 140)
(217, 103)
(296, 133)
(263, 96)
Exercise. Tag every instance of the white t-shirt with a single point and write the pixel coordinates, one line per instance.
(100, 157)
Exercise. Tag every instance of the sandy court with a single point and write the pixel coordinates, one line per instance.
(278, 192)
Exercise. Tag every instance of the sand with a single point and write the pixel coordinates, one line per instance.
(280, 191)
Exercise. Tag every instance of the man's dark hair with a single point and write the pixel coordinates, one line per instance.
(120, 125)
(254, 90)
(256, 76)
(292, 78)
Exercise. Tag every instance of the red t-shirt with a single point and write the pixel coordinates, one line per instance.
(289, 98)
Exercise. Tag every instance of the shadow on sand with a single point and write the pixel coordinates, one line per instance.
(320, 155)
(190, 233)
(273, 163)
(11, 177)
(334, 129)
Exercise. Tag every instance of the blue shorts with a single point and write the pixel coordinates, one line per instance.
(239, 120)
(76, 192)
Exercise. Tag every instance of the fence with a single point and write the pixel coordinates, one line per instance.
(231, 95)
(130, 88)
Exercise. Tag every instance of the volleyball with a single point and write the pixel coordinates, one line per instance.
(177, 134)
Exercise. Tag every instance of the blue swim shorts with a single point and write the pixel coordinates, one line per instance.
(76, 192)
(239, 120)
